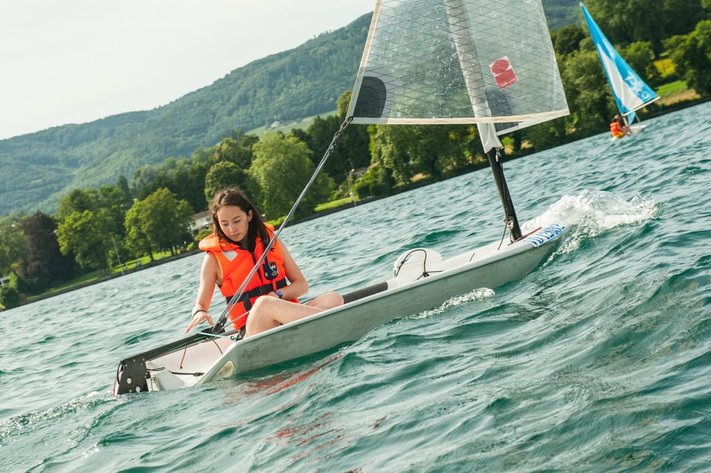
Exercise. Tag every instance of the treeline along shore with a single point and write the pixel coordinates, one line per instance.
(98, 233)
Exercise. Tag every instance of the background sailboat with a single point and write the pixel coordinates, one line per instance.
(629, 91)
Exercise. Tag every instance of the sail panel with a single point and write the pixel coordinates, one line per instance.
(458, 61)
(629, 90)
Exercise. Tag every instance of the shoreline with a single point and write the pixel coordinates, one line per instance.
(424, 182)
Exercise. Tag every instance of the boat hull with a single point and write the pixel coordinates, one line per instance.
(407, 294)
(350, 322)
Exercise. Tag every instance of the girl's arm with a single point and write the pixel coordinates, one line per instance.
(208, 278)
(298, 286)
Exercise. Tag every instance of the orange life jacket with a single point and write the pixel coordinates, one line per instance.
(616, 129)
(236, 263)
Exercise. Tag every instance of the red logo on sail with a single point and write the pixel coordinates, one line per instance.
(503, 72)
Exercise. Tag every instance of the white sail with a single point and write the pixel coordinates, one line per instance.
(458, 61)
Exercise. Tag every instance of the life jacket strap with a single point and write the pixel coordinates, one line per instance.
(247, 296)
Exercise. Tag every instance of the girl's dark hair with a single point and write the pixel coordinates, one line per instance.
(235, 197)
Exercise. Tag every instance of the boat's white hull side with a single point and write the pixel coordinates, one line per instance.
(484, 267)
(350, 322)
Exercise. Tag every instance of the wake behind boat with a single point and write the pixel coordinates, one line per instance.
(424, 62)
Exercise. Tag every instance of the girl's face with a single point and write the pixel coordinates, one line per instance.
(234, 222)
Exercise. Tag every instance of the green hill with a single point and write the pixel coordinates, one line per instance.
(37, 169)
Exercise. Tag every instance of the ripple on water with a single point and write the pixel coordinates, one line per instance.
(596, 361)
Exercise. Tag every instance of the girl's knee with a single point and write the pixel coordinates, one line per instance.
(256, 307)
(259, 318)
(328, 300)
(262, 303)
(337, 299)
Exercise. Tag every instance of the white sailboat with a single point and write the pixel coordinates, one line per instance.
(425, 62)
(629, 91)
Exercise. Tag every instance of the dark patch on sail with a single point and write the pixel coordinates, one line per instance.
(371, 98)
(500, 106)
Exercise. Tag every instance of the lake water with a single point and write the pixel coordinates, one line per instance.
(600, 360)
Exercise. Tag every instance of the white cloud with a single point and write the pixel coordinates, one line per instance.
(80, 60)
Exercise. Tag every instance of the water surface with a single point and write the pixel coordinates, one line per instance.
(599, 360)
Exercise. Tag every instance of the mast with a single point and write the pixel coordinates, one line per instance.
(511, 219)
(476, 88)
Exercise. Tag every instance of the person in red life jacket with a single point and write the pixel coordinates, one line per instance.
(239, 239)
(617, 127)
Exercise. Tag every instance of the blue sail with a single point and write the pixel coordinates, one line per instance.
(630, 91)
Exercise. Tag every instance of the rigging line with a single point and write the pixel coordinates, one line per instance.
(219, 326)
(185, 352)
(503, 235)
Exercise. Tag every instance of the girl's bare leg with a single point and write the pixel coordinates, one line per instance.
(270, 312)
(327, 300)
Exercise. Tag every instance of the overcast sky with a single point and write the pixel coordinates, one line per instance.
(75, 61)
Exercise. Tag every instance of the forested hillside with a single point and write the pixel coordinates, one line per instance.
(36, 169)
(142, 209)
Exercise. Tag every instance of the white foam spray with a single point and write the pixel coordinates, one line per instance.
(591, 213)
(475, 295)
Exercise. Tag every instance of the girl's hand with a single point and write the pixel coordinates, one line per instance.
(199, 316)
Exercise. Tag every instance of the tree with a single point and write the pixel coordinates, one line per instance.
(159, 222)
(145, 181)
(567, 39)
(587, 91)
(197, 169)
(237, 149)
(184, 177)
(625, 22)
(78, 200)
(468, 150)
(110, 198)
(436, 151)
(646, 20)
(351, 151)
(282, 166)
(44, 265)
(122, 184)
(227, 174)
(546, 135)
(640, 56)
(377, 180)
(13, 245)
(388, 145)
(440, 149)
(186, 181)
(87, 235)
(682, 16)
(302, 135)
(319, 137)
(136, 239)
(9, 297)
(691, 55)
(116, 203)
